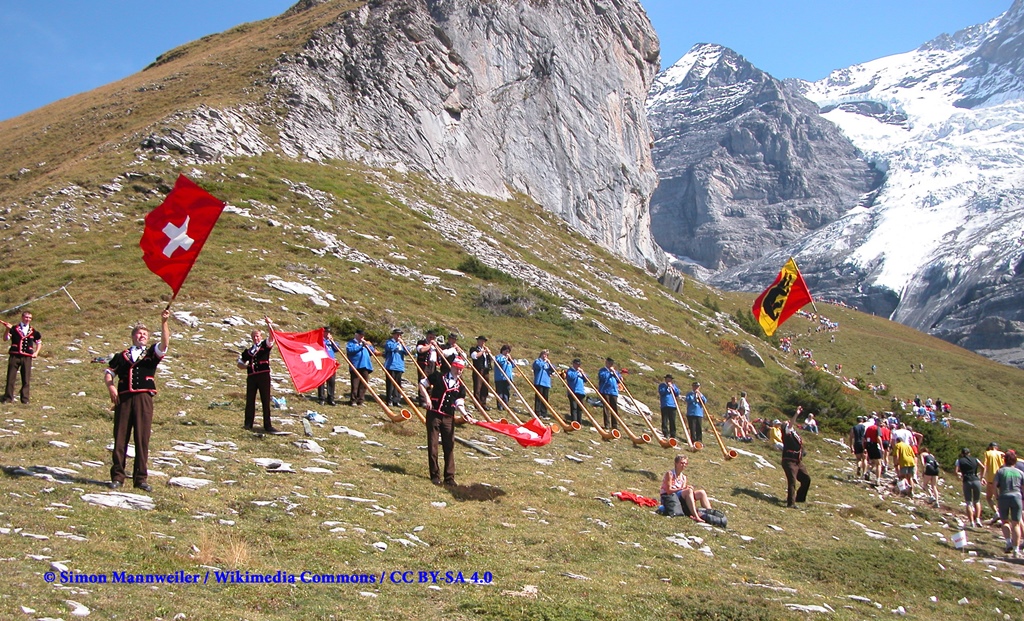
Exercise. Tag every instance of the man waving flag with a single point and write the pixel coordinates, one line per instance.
(308, 362)
(782, 299)
(176, 231)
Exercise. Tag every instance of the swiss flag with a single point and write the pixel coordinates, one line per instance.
(531, 433)
(307, 360)
(176, 231)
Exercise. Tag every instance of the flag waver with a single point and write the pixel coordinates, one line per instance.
(176, 231)
(782, 298)
(308, 362)
(531, 433)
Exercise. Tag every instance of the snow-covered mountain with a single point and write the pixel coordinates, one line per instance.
(940, 247)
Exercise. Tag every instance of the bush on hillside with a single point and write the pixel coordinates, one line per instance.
(476, 267)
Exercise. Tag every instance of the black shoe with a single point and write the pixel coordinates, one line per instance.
(791, 506)
(435, 481)
(116, 484)
(247, 427)
(450, 483)
(146, 487)
(331, 403)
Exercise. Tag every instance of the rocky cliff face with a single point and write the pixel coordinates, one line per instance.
(746, 164)
(540, 97)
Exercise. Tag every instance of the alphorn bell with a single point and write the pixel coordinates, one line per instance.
(727, 453)
(398, 386)
(604, 433)
(641, 439)
(561, 422)
(664, 442)
(394, 417)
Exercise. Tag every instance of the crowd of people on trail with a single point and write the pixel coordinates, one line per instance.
(1001, 474)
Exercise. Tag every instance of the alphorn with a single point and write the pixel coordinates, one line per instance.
(605, 434)
(483, 379)
(664, 442)
(641, 439)
(394, 417)
(502, 401)
(398, 386)
(547, 405)
(727, 453)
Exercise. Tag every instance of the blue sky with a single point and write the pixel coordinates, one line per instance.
(51, 49)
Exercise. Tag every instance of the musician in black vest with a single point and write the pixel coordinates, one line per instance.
(793, 463)
(483, 363)
(446, 394)
(256, 362)
(132, 396)
(25, 345)
(426, 360)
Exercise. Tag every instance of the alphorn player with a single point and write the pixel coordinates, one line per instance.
(576, 379)
(481, 359)
(358, 350)
(426, 359)
(504, 374)
(608, 380)
(446, 394)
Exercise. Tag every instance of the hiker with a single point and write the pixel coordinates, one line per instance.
(793, 463)
(873, 448)
(857, 445)
(1009, 482)
(970, 471)
(905, 462)
(993, 461)
(929, 474)
(674, 484)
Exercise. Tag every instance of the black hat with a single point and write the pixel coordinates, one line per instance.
(359, 331)
(434, 332)
(452, 335)
(696, 384)
(577, 361)
(668, 377)
(481, 338)
(327, 328)
(397, 331)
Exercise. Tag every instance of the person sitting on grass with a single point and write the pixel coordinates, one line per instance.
(675, 484)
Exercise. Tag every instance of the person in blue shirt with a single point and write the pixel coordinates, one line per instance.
(358, 350)
(576, 380)
(504, 373)
(669, 393)
(608, 380)
(542, 371)
(325, 391)
(394, 363)
(695, 413)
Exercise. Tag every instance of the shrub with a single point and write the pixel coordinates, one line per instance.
(475, 267)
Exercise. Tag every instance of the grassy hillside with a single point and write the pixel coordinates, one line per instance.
(380, 249)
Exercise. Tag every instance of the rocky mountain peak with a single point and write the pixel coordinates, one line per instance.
(513, 96)
(745, 162)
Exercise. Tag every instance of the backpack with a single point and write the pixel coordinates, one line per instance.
(713, 517)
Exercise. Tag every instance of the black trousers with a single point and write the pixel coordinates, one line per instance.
(609, 421)
(480, 388)
(443, 427)
(575, 409)
(392, 381)
(695, 423)
(538, 403)
(668, 422)
(504, 390)
(795, 472)
(358, 386)
(133, 416)
(17, 364)
(325, 391)
(257, 383)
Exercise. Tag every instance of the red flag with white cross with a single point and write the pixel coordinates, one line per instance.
(308, 361)
(176, 231)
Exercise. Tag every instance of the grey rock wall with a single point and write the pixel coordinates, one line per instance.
(539, 97)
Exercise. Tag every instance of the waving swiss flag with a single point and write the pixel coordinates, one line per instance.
(531, 433)
(176, 231)
(307, 360)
